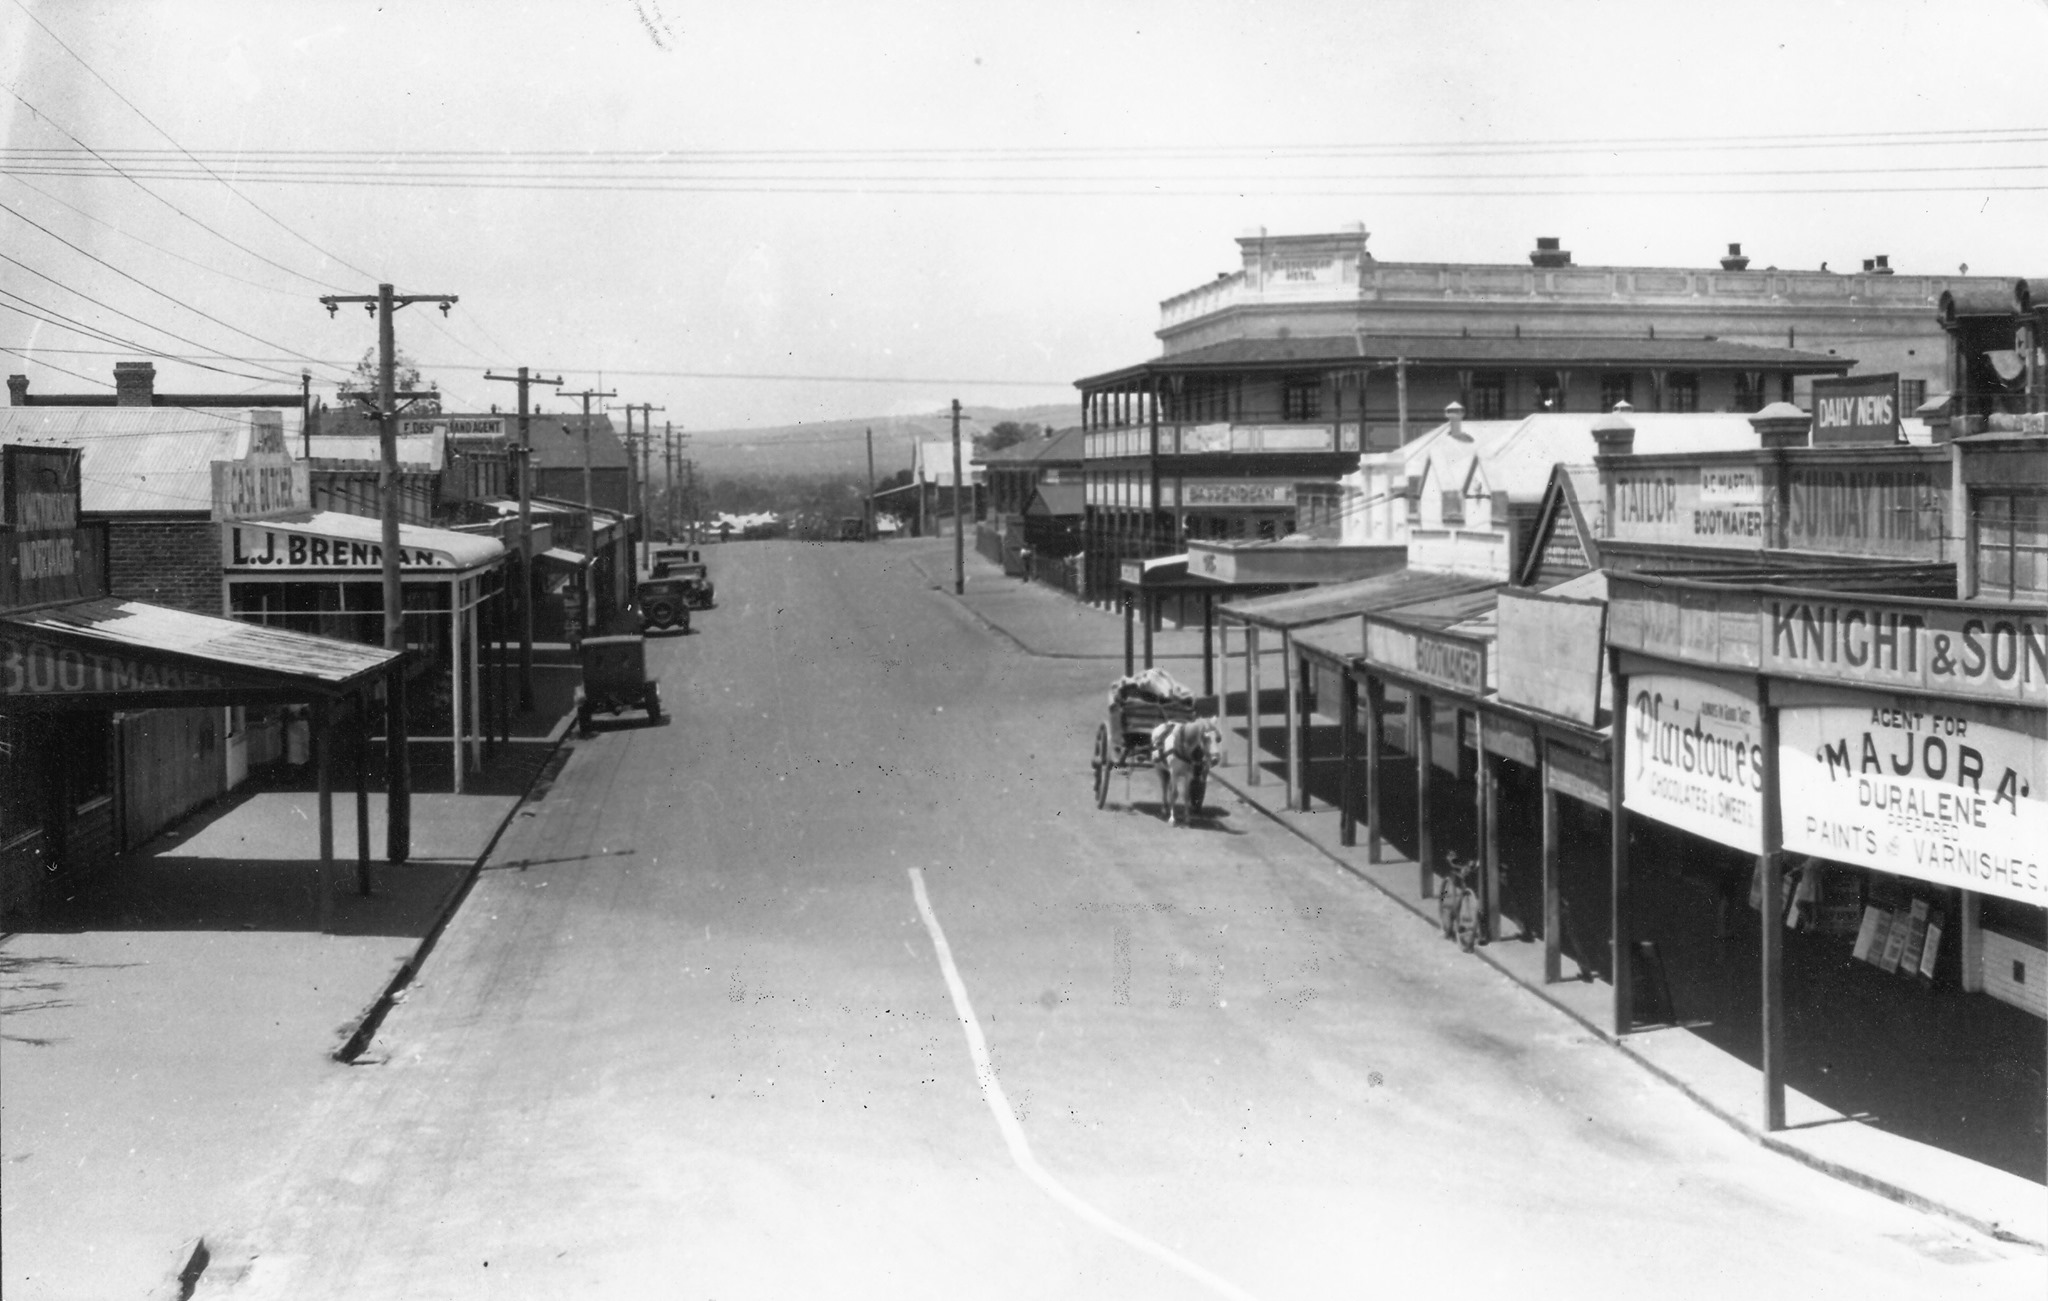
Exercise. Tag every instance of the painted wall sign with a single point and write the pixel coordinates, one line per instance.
(251, 546)
(1982, 652)
(267, 483)
(1213, 493)
(1856, 409)
(1296, 438)
(1892, 511)
(1940, 797)
(1703, 627)
(1455, 663)
(1695, 759)
(1686, 504)
(43, 556)
(1204, 438)
(38, 668)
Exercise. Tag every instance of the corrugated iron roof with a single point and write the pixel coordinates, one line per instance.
(145, 460)
(1342, 640)
(1400, 589)
(234, 650)
(418, 451)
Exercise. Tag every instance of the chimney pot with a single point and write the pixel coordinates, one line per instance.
(1455, 413)
(1884, 264)
(1548, 254)
(1735, 261)
(17, 390)
(134, 384)
(1870, 264)
(1782, 424)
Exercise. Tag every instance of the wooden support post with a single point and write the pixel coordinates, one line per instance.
(1130, 648)
(1304, 716)
(323, 762)
(1621, 934)
(1375, 712)
(1553, 919)
(1251, 704)
(362, 757)
(1223, 690)
(1151, 600)
(1423, 712)
(1208, 662)
(1488, 801)
(1347, 752)
(1292, 694)
(1771, 864)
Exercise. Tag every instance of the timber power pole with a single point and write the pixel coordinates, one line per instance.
(589, 515)
(524, 453)
(959, 537)
(868, 516)
(646, 410)
(398, 766)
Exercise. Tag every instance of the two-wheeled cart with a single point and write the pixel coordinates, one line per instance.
(1123, 742)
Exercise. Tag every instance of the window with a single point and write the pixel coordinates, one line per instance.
(2012, 545)
(1549, 394)
(1615, 389)
(1749, 390)
(1489, 396)
(1682, 392)
(1301, 397)
(1912, 395)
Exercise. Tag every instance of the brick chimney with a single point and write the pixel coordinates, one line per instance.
(1782, 424)
(134, 384)
(17, 390)
(1735, 261)
(1548, 254)
(1614, 433)
(1884, 265)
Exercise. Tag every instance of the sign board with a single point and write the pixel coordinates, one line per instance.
(1133, 572)
(1710, 627)
(1198, 494)
(1688, 505)
(1891, 510)
(1948, 797)
(1204, 438)
(1856, 409)
(247, 546)
(1933, 648)
(1695, 759)
(45, 558)
(1576, 776)
(1296, 438)
(1457, 664)
(454, 426)
(32, 667)
(1559, 657)
(267, 483)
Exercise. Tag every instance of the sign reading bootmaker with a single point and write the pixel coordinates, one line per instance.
(1948, 797)
(1455, 663)
(1695, 759)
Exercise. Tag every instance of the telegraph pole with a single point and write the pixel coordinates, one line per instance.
(524, 452)
(868, 533)
(589, 511)
(668, 477)
(398, 766)
(959, 538)
(690, 467)
(646, 410)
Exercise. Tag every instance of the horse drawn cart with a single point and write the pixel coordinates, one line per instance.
(1123, 740)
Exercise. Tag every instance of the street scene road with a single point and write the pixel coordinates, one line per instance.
(835, 982)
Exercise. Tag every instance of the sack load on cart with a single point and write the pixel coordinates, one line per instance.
(1153, 723)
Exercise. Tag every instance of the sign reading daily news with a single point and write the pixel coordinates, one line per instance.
(1946, 797)
(1856, 409)
(39, 527)
(1695, 759)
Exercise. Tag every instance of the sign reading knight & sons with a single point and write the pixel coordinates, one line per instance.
(1455, 663)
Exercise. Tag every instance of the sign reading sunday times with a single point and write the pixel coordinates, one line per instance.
(1858, 409)
(1945, 797)
(1695, 759)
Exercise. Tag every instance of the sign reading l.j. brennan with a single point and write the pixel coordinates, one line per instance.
(252, 546)
(1856, 409)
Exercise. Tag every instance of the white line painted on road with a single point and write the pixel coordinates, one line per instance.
(1013, 1133)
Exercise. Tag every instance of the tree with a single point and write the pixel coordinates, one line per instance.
(405, 378)
(1007, 433)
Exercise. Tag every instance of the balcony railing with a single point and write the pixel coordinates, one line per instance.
(1213, 438)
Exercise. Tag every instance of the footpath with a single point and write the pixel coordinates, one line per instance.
(1042, 621)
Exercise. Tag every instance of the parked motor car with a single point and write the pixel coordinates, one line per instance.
(615, 679)
(665, 603)
(685, 565)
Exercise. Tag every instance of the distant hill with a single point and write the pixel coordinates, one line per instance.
(840, 446)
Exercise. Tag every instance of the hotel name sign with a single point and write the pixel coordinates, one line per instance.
(1981, 651)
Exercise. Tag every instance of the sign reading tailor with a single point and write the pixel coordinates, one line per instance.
(39, 527)
(1988, 652)
(1939, 797)
(1689, 504)
(1695, 759)
(249, 546)
(37, 668)
(1858, 409)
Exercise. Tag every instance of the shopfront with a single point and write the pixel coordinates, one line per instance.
(1848, 790)
(321, 573)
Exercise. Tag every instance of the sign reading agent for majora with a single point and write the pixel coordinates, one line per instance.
(1695, 759)
(1941, 797)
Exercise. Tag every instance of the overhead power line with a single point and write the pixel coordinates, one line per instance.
(56, 319)
(169, 253)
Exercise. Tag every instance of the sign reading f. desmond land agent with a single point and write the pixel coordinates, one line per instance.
(1948, 797)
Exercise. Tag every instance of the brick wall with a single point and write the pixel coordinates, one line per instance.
(173, 562)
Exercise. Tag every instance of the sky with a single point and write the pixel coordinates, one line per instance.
(770, 213)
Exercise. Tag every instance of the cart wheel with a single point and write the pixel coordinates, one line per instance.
(653, 703)
(1198, 785)
(1102, 764)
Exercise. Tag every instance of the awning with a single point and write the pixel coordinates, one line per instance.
(330, 542)
(1401, 588)
(564, 557)
(112, 653)
(1336, 643)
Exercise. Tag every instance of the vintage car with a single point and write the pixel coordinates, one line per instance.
(665, 603)
(686, 565)
(615, 679)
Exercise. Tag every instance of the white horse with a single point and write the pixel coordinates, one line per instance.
(1180, 750)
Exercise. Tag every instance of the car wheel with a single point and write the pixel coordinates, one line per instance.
(661, 613)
